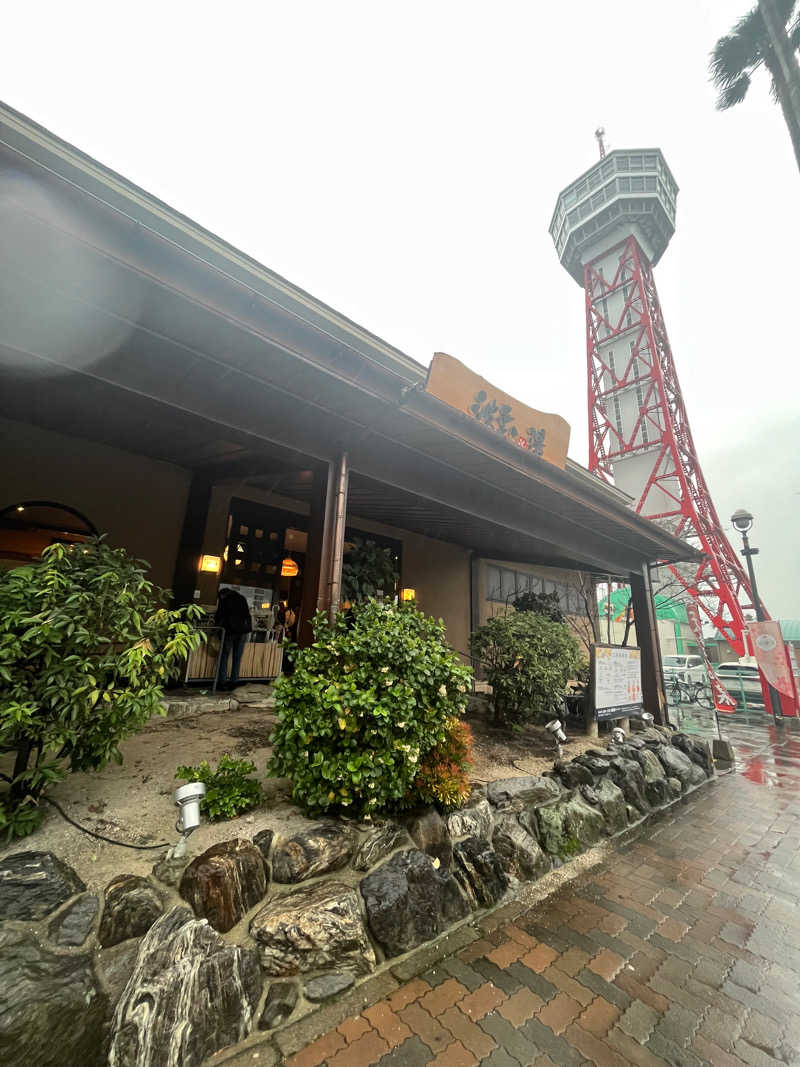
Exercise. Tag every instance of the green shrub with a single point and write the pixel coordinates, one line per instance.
(528, 660)
(368, 569)
(443, 777)
(364, 705)
(229, 789)
(546, 604)
(85, 649)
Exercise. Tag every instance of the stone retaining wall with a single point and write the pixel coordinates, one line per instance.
(253, 933)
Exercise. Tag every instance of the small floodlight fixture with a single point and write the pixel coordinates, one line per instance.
(617, 735)
(187, 801)
(556, 731)
(647, 718)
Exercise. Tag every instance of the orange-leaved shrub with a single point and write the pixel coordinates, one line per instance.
(443, 776)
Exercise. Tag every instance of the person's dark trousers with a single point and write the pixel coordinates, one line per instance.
(233, 644)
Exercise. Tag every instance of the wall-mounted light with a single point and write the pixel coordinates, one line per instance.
(289, 569)
(408, 595)
(211, 564)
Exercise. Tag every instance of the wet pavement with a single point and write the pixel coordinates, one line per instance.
(682, 947)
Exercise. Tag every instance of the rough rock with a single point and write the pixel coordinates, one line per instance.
(324, 847)
(530, 789)
(676, 763)
(573, 774)
(169, 869)
(479, 872)
(51, 1006)
(409, 901)
(225, 882)
(73, 925)
(697, 776)
(327, 986)
(656, 735)
(115, 966)
(518, 851)
(569, 826)
(313, 928)
(263, 842)
(34, 884)
(190, 995)
(650, 764)
(658, 792)
(131, 907)
(635, 742)
(475, 820)
(611, 801)
(378, 844)
(428, 831)
(279, 1005)
(698, 751)
(627, 774)
(675, 786)
(596, 764)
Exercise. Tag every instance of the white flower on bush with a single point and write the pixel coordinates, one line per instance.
(443, 690)
(384, 670)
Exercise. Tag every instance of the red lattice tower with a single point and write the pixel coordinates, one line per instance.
(610, 227)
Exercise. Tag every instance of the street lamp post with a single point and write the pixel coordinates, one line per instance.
(743, 521)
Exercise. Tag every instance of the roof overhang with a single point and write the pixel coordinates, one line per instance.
(123, 322)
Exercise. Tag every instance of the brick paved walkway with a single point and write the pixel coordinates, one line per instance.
(683, 948)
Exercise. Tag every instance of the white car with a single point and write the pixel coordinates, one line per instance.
(687, 668)
(737, 676)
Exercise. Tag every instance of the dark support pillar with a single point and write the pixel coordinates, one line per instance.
(644, 613)
(190, 546)
(320, 533)
(474, 591)
(341, 485)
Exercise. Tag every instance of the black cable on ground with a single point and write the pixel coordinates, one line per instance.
(100, 837)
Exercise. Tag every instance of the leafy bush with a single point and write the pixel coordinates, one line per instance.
(546, 604)
(229, 790)
(85, 649)
(443, 777)
(528, 660)
(365, 703)
(368, 569)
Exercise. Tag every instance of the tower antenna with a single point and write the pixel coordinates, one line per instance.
(600, 134)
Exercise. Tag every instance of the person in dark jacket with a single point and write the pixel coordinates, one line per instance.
(233, 615)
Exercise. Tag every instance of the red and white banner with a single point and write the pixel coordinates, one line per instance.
(770, 653)
(723, 701)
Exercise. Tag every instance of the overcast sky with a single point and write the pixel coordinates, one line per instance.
(402, 161)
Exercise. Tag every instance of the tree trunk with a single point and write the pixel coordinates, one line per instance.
(782, 64)
(628, 622)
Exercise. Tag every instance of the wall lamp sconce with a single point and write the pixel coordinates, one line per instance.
(211, 564)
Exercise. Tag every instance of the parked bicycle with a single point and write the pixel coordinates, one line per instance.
(680, 692)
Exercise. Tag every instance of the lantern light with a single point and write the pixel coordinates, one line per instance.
(289, 569)
(407, 595)
(211, 564)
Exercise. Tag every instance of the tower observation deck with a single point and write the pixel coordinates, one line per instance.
(610, 227)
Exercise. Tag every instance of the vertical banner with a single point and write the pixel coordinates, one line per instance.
(723, 701)
(771, 656)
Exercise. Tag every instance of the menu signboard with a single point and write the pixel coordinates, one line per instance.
(616, 681)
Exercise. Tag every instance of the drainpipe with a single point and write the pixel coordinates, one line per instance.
(339, 523)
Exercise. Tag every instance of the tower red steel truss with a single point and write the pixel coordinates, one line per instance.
(675, 493)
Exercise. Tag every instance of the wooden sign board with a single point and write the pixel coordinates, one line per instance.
(546, 435)
(616, 682)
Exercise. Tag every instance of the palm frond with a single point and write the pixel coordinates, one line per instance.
(739, 51)
(733, 93)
